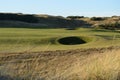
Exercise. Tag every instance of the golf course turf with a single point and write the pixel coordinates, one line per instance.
(25, 39)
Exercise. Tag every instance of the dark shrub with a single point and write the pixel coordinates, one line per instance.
(75, 17)
(97, 18)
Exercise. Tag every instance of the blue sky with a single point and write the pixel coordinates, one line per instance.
(62, 7)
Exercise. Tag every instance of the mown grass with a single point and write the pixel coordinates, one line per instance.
(22, 39)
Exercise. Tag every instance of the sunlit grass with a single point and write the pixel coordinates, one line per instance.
(24, 38)
(94, 66)
(104, 66)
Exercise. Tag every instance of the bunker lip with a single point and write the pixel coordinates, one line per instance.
(72, 40)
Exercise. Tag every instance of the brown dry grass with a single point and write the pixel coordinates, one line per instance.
(92, 64)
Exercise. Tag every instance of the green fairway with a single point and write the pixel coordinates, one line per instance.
(25, 39)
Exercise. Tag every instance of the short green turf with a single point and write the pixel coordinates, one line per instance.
(26, 39)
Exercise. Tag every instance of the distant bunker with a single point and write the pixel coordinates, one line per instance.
(73, 40)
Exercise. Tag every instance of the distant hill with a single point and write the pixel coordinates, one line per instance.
(49, 21)
(35, 20)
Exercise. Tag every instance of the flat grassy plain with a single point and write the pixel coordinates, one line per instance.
(36, 54)
(25, 39)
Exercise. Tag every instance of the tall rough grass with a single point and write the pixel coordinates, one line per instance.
(96, 66)
(105, 66)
